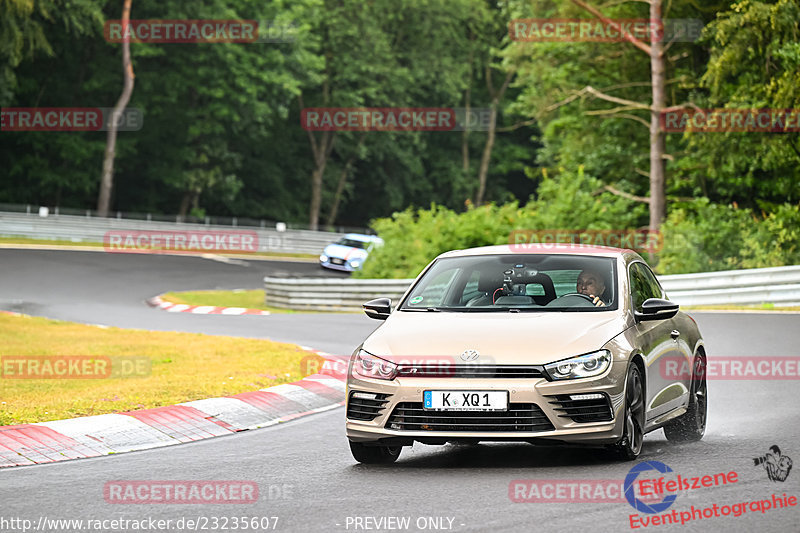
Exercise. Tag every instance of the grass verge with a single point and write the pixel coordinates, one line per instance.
(183, 367)
(250, 299)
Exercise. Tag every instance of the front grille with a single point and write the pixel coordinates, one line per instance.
(470, 371)
(410, 416)
(366, 409)
(592, 410)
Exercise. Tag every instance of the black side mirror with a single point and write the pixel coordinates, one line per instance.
(657, 309)
(378, 308)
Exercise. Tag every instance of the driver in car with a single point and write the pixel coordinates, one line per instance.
(592, 285)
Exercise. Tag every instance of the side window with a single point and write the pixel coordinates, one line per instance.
(471, 288)
(534, 289)
(434, 292)
(655, 288)
(563, 280)
(643, 285)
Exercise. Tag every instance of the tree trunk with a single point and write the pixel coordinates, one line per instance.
(184, 208)
(467, 102)
(497, 95)
(657, 200)
(337, 197)
(465, 137)
(321, 152)
(107, 177)
(658, 207)
(483, 170)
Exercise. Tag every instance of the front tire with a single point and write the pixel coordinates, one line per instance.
(630, 445)
(374, 455)
(691, 426)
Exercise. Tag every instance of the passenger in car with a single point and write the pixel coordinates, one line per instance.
(591, 284)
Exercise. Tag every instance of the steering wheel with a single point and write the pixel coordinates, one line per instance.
(560, 299)
(589, 298)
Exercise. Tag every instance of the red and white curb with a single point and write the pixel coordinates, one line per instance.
(93, 436)
(156, 301)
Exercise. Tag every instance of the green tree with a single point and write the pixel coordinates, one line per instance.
(754, 63)
(23, 32)
(570, 88)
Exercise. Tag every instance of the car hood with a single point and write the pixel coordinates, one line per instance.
(344, 252)
(500, 338)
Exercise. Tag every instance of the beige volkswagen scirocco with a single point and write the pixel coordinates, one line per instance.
(542, 343)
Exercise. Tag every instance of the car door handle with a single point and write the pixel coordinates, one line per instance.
(675, 334)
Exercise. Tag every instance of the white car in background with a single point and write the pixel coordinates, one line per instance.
(349, 252)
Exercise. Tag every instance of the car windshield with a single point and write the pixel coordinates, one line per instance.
(540, 282)
(352, 243)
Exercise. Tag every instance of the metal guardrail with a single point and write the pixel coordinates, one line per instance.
(75, 228)
(327, 294)
(188, 219)
(779, 286)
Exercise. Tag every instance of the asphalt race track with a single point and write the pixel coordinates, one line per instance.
(110, 289)
(304, 470)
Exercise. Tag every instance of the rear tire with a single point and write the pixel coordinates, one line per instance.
(691, 426)
(630, 445)
(374, 455)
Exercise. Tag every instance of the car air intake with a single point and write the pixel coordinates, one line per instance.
(593, 407)
(365, 405)
(522, 417)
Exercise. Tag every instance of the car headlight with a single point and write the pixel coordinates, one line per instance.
(583, 366)
(323, 258)
(355, 263)
(370, 366)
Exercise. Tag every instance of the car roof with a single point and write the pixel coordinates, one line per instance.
(544, 248)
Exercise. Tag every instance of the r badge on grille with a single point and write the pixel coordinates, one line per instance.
(470, 355)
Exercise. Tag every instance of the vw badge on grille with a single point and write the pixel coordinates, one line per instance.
(469, 355)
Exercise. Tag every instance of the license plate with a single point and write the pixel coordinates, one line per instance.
(459, 400)
(337, 261)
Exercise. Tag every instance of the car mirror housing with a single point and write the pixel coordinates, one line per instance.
(657, 309)
(379, 309)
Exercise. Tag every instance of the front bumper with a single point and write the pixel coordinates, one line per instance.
(444, 426)
(344, 268)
